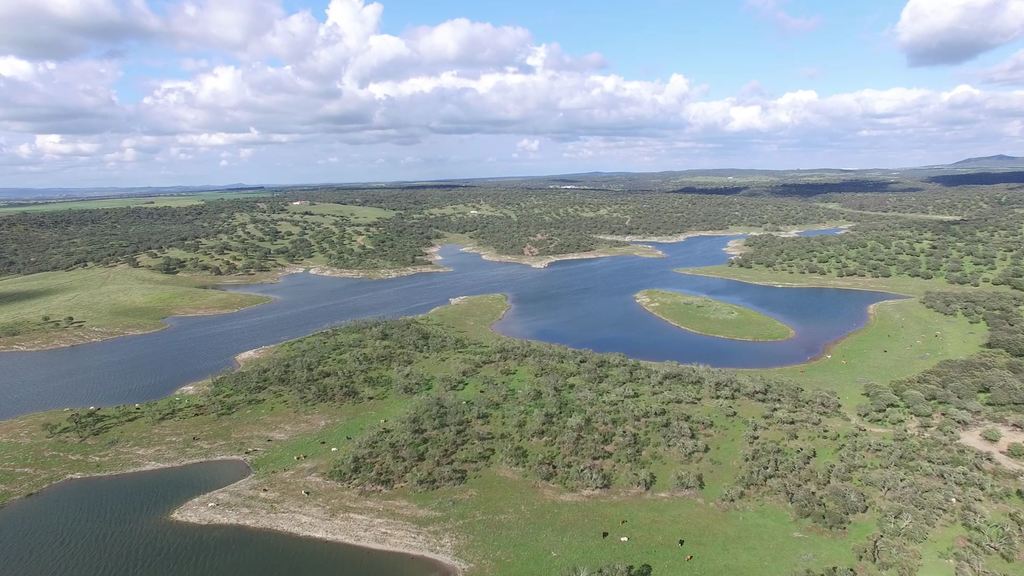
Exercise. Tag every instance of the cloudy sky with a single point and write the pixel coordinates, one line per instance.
(159, 92)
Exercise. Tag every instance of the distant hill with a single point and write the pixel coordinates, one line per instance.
(38, 194)
(997, 161)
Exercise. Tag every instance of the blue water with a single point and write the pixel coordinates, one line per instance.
(580, 303)
(119, 526)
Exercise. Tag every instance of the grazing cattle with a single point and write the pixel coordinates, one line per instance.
(681, 542)
(604, 534)
(624, 539)
(690, 557)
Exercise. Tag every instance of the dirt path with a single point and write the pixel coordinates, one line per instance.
(973, 439)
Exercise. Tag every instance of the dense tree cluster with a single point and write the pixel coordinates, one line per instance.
(64, 239)
(518, 221)
(987, 248)
(957, 393)
(587, 421)
(911, 483)
(216, 237)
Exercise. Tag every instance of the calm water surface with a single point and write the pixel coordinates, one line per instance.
(580, 303)
(119, 525)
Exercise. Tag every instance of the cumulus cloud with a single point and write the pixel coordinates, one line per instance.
(52, 146)
(934, 32)
(459, 94)
(527, 147)
(66, 97)
(58, 29)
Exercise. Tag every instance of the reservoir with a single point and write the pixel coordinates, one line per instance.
(119, 525)
(585, 304)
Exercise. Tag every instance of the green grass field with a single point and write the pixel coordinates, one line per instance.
(712, 317)
(897, 284)
(358, 214)
(901, 339)
(130, 201)
(101, 303)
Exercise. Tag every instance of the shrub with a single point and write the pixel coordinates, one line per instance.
(992, 435)
(1015, 450)
(688, 480)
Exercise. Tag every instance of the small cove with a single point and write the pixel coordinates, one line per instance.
(120, 525)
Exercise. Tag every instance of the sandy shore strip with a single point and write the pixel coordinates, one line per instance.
(383, 273)
(245, 503)
(687, 235)
(544, 261)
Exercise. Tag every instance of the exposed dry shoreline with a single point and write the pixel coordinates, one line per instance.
(687, 235)
(733, 248)
(383, 273)
(545, 261)
(246, 504)
(243, 504)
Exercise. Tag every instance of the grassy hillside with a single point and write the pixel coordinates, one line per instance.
(62, 308)
(124, 202)
(485, 442)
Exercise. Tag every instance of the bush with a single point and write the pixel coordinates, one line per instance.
(1015, 450)
(688, 480)
(992, 435)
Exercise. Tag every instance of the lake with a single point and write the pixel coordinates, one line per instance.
(579, 303)
(119, 525)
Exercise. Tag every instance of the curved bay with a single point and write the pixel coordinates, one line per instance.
(119, 525)
(579, 303)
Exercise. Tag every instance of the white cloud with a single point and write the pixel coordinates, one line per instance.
(933, 32)
(55, 146)
(528, 147)
(59, 97)
(226, 24)
(60, 29)
(437, 100)
(774, 10)
(1010, 72)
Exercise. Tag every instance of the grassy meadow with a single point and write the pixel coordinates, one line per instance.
(711, 317)
(63, 308)
(124, 202)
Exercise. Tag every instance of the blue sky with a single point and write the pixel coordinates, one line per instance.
(136, 92)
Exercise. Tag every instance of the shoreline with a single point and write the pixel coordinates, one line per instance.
(826, 351)
(674, 238)
(239, 282)
(114, 335)
(238, 504)
(696, 271)
(635, 248)
(640, 250)
(198, 511)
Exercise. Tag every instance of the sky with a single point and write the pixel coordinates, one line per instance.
(173, 92)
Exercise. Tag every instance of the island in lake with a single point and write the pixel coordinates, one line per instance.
(336, 380)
